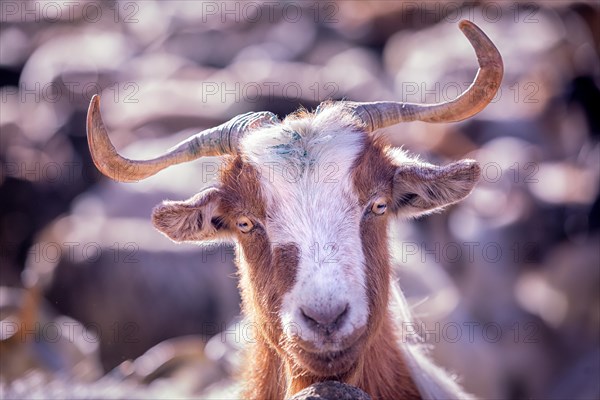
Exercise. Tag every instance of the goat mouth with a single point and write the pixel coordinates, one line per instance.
(329, 363)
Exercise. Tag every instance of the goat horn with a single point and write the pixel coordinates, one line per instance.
(381, 114)
(216, 141)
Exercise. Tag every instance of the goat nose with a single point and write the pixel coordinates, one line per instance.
(325, 319)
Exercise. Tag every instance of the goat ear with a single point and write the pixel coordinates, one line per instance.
(421, 188)
(195, 219)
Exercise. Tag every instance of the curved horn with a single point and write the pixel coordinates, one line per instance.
(380, 114)
(216, 141)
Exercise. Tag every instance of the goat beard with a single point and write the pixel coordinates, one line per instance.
(306, 362)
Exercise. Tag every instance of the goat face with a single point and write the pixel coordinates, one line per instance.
(308, 201)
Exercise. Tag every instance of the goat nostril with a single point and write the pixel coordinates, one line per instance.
(311, 321)
(327, 320)
(340, 317)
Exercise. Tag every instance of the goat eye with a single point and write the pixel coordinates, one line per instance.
(379, 206)
(244, 224)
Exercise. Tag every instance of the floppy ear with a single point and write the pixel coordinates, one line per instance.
(195, 219)
(421, 188)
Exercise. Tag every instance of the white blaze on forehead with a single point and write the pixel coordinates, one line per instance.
(306, 178)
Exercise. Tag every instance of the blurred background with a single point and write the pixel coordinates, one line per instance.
(94, 302)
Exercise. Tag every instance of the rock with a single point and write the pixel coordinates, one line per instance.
(331, 390)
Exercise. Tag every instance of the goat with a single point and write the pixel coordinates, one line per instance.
(314, 264)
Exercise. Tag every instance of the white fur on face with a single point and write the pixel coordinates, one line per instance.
(305, 167)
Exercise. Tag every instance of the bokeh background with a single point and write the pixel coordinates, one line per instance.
(94, 302)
